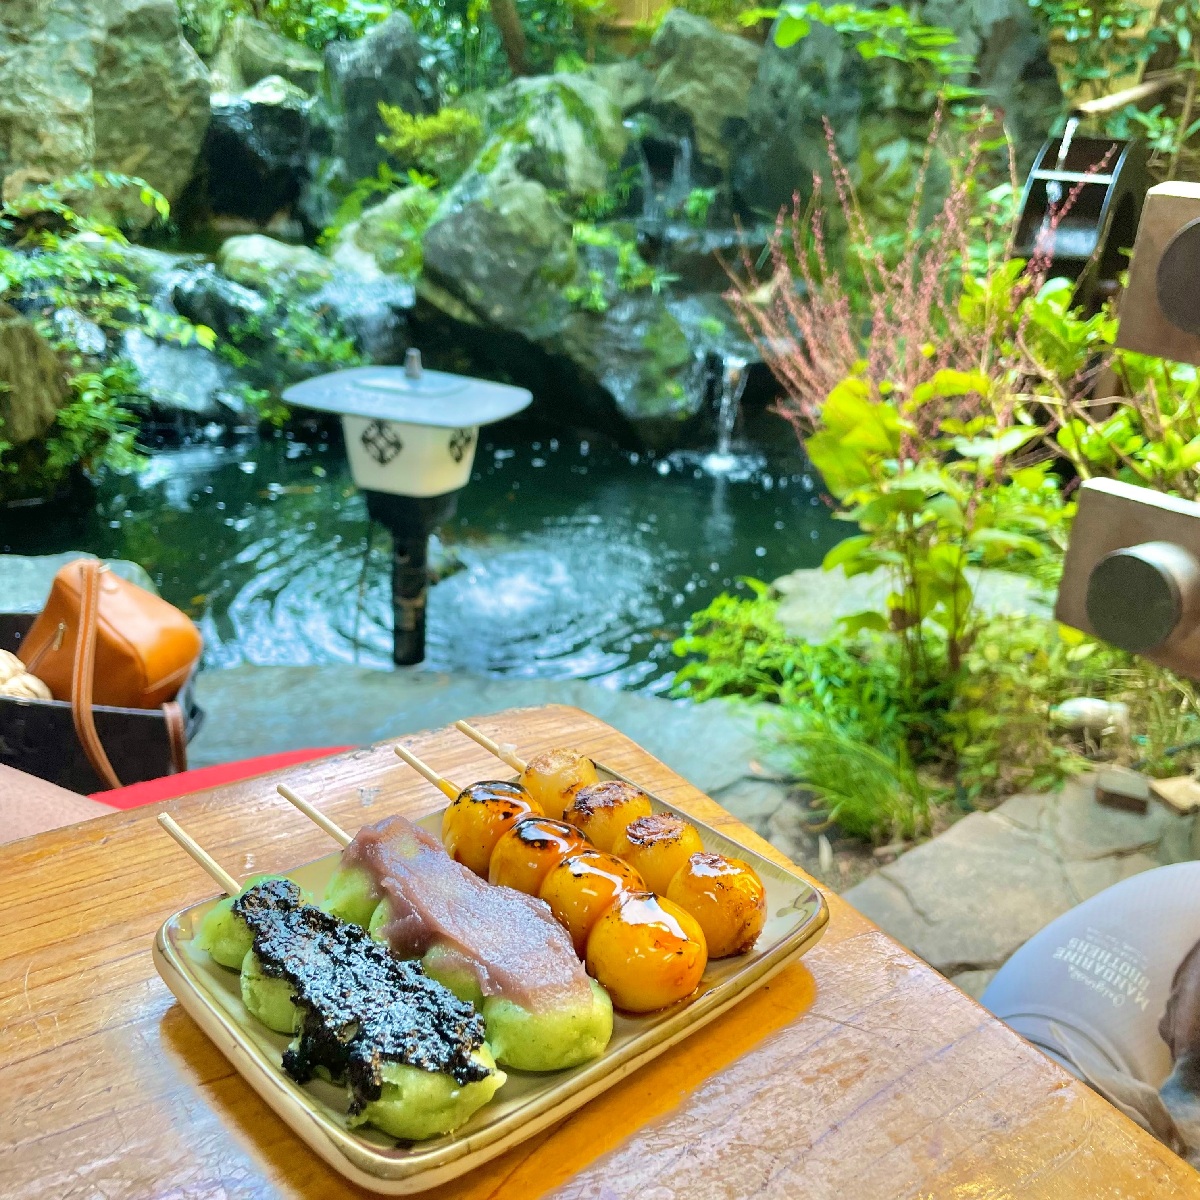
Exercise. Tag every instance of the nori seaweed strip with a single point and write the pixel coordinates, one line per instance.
(361, 1006)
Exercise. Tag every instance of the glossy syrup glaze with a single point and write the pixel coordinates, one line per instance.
(510, 943)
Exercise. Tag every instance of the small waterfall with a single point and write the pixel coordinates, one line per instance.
(729, 401)
(682, 183)
(658, 200)
(652, 209)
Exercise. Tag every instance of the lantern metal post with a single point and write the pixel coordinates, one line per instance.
(410, 520)
(410, 437)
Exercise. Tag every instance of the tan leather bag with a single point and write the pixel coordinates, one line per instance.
(103, 640)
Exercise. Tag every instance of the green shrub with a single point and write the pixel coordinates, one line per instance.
(838, 716)
(441, 145)
(59, 254)
(868, 787)
(296, 334)
(95, 430)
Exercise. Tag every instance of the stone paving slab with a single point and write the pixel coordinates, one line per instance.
(968, 899)
(25, 578)
(265, 710)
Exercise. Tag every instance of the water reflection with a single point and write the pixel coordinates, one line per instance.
(577, 560)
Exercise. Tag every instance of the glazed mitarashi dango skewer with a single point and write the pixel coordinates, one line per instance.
(723, 895)
(552, 778)
(478, 816)
(650, 954)
(493, 947)
(412, 1054)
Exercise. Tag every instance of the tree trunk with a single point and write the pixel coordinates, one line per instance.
(512, 36)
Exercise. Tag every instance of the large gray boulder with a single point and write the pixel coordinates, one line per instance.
(106, 84)
(499, 256)
(502, 248)
(383, 67)
(639, 354)
(783, 140)
(33, 384)
(565, 131)
(781, 143)
(25, 579)
(256, 150)
(704, 74)
(386, 239)
(257, 261)
(1013, 63)
(251, 50)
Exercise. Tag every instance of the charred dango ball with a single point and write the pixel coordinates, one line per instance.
(564, 1036)
(415, 1104)
(582, 886)
(602, 810)
(553, 778)
(480, 816)
(657, 846)
(646, 951)
(527, 853)
(224, 934)
(726, 898)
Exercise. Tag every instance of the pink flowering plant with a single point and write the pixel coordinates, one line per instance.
(904, 402)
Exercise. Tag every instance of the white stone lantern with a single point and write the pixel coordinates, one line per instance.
(410, 436)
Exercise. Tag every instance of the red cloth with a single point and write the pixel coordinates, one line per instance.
(170, 786)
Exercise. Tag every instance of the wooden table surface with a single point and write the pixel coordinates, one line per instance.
(856, 1073)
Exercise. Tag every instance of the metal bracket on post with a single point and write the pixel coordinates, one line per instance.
(1132, 573)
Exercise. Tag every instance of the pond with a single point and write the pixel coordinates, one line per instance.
(575, 558)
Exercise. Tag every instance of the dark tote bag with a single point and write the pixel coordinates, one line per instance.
(40, 738)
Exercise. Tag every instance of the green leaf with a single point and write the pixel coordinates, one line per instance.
(846, 551)
(999, 543)
(790, 30)
(876, 622)
(1000, 446)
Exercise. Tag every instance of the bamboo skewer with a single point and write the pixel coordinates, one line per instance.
(315, 815)
(502, 753)
(220, 876)
(440, 782)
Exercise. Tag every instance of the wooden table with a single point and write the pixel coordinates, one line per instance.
(857, 1073)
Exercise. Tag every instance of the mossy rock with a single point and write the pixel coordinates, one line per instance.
(706, 74)
(266, 265)
(387, 238)
(502, 248)
(33, 384)
(567, 130)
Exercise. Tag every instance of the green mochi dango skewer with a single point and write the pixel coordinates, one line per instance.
(418, 1104)
(351, 895)
(440, 964)
(270, 999)
(519, 1037)
(223, 934)
(561, 1037)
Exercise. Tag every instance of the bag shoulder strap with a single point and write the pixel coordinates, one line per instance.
(176, 735)
(83, 672)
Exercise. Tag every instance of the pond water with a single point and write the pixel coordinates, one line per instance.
(577, 559)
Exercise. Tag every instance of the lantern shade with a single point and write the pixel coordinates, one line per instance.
(433, 398)
(404, 459)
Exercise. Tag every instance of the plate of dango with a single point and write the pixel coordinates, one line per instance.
(441, 989)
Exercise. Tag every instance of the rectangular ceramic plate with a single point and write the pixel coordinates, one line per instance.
(528, 1102)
